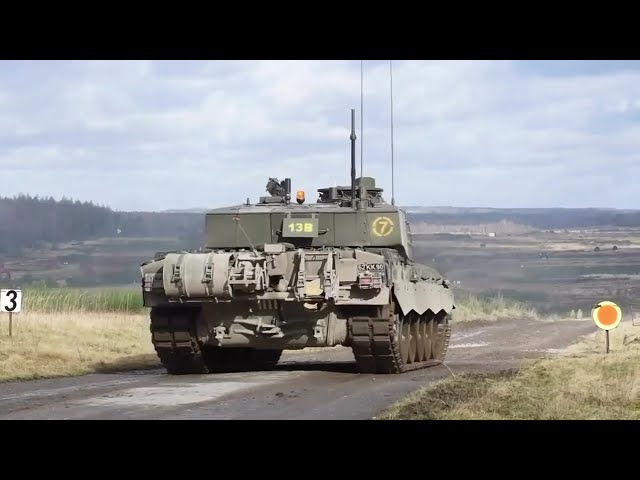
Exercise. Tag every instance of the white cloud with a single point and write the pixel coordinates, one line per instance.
(491, 133)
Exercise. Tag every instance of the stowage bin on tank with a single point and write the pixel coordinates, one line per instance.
(287, 274)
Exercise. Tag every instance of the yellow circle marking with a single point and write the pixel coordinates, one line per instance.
(382, 226)
(606, 315)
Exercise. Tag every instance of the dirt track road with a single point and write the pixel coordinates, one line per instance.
(304, 386)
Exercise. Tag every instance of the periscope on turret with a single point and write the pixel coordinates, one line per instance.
(287, 274)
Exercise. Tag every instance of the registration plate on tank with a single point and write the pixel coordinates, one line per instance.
(372, 267)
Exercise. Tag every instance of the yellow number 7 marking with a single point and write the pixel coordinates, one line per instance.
(382, 226)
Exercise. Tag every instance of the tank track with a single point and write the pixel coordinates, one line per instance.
(175, 340)
(392, 343)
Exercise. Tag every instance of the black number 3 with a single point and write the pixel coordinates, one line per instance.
(13, 300)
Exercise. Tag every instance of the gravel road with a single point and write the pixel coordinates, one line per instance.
(319, 385)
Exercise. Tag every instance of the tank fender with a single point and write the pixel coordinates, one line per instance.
(422, 296)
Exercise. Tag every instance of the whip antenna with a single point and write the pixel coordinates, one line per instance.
(393, 202)
(361, 114)
(353, 158)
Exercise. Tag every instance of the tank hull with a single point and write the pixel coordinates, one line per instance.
(229, 310)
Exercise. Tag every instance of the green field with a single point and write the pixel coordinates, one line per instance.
(69, 300)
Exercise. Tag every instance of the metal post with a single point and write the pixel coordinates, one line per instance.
(10, 323)
(607, 341)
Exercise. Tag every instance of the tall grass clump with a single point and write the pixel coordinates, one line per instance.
(471, 307)
(69, 300)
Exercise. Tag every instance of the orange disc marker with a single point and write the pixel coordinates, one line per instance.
(606, 315)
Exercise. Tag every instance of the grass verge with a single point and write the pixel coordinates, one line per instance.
(67, 331)
(45, 345)
(585, 383)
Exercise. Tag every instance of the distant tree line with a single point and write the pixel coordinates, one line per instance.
(30, 222)
(552, 218)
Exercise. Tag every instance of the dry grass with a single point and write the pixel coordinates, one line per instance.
(583, 384)
(54, 344)
(63, 332)
(473, 308)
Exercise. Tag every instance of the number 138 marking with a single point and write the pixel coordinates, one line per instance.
(301, 227)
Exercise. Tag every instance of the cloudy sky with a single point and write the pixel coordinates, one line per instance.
(154, 135)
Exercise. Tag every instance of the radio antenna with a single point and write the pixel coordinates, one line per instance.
(393, 202)
(353, 158)
(361, 114)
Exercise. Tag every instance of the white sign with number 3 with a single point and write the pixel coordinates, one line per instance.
(10, 300)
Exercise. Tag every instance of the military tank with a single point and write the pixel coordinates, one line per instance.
(281, 274)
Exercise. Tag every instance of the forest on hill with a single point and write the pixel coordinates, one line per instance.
(28, 222)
